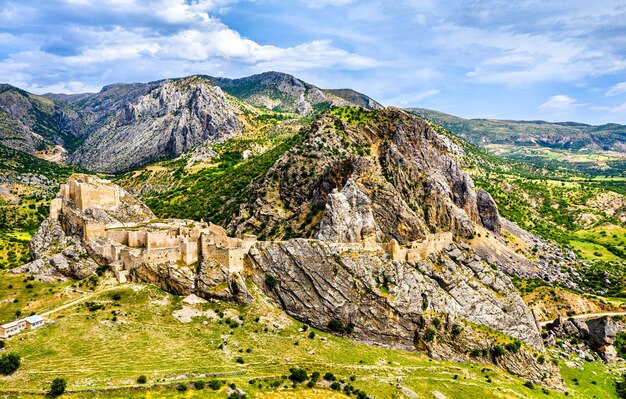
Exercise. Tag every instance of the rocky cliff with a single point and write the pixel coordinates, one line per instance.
(173, 117)
(434, 304)
(401, 174)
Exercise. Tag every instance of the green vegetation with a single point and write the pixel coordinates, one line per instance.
(57, 387)
(92, 351)
(215, 189)
(9, 363)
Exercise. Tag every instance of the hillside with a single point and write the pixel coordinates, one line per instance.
(594, 149)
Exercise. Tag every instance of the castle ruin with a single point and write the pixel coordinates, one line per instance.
(127, 236)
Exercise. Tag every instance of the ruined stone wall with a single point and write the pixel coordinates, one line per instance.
(86, 195)
(120, 236)
(433, 243)
(161, 239)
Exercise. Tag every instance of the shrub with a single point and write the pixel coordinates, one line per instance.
(116, 296)
(141, 379)
(335, 386)
(312, 334)
(199, 384)
(336, 326)
(513, 346)
(1, 344)
(436, 322)
(271, 281)
(181, 387)
(362, 395)
(315, 376)
(9, 363)
(350, 328)
(456, 329)
(497, 351)
(239, 360)
(215, 384)
(541, 359)
(329, 377)
(430, 334)
(529, 385)
(298, 375)
(234, 395)
(57, 387)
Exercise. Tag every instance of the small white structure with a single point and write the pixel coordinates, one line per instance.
(15, 327)
(33, 321)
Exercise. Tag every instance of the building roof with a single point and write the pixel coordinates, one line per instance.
(11, 324)
(33, 319)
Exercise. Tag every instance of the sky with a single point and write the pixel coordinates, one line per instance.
(525, 59)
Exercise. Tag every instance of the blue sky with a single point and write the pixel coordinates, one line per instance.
(525, 59)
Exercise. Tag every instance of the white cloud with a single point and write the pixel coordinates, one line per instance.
(325, 3)
(618, 89)
(559, 102)
(412, 99)
(619, 109)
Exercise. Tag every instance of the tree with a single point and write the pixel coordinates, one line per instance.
(141, 379)
(198, 384)
(271, 281)
(9, 363)
(336, 326)
(298, 375)
(57, 388)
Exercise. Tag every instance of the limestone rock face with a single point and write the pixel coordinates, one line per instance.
(210, 280)
(348, 217)
(386, 301)
(488, 211)
(171, 117)
(414, 185)
(595, 336)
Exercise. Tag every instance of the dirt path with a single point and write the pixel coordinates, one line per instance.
(586, 316)
(77, 301)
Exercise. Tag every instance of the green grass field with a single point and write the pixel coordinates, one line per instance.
(138, 335)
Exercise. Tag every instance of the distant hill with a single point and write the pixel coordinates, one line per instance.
(563, 135)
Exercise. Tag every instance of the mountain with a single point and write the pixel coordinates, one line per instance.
(595, 149)
(285, 93)
(564, 135)
(366, 224)
(129, 125)
(155, 122)
(32, 123)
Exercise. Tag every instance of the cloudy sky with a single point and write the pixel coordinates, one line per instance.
(525, 59)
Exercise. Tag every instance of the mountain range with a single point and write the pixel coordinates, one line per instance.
(128, 125)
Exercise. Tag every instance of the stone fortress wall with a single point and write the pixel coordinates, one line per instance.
(127, 246)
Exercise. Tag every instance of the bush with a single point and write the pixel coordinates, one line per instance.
(315, 376)
(329, 377)
(116, 296)
(1, 344)
(336, 326)
(497, 351)
(141, 379)
(215, 384)
(456, 329)
(239, 360)
(312, 334)
(335, 386)
(234, 395)
(436, 322)
(529, 385)
(57, 387)
(198, 384)
(271, 281)
(181, 387)
(298, 375)
(513, 346)
(430, 334)
(9, 363)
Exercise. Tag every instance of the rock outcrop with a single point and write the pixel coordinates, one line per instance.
(173, 117)
(488, 211)
(587, 338)
(385, 302)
